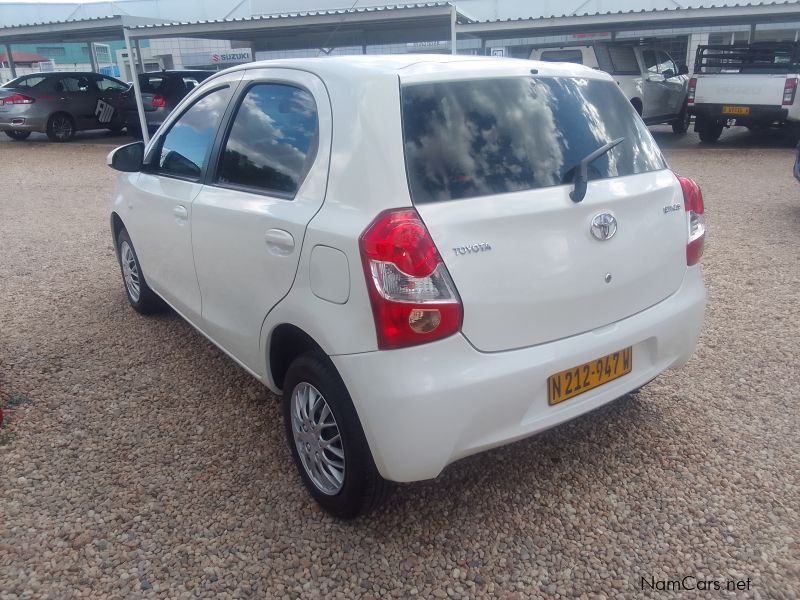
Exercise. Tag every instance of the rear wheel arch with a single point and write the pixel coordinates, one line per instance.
(116, 226)
(286, 343)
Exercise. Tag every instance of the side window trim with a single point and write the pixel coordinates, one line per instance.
(151, 160)
(210, 176)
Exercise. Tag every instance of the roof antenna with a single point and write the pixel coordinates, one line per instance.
(335, 29)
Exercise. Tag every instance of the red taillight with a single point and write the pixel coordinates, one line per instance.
(413, 298)
(695, 219)
(18, 99)
(692, 88)
(789, 91)
(158, 101)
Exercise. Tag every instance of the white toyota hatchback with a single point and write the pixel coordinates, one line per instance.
(428, 256)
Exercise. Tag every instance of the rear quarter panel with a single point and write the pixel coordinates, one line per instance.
(367, 176)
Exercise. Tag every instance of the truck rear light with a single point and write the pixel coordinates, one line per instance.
(413, 298)
(18, 99)
(789, 91)
(695, 219)
(690, 92)
(158, 101)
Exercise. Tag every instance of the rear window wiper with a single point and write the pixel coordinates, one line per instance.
(582, 171)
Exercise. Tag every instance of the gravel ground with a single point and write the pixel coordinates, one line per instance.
(137, 460)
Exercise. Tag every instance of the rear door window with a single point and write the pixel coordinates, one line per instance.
(106, 83)
(75, 84)
(666, 66)
(623, 59)
(272, 142)
(492, 136)
(650, 61)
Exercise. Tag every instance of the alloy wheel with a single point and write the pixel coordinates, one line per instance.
(317, 439)
(130, 271)
(62, 128)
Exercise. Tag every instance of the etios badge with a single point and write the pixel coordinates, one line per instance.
(603, 226)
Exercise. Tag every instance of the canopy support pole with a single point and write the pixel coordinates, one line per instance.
(11, 64)
(139, 55)
(137, 91)
(92, 56)
(453, 35)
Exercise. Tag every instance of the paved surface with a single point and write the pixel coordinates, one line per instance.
(137, 460)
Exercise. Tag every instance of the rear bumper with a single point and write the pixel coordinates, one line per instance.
(758, 113)
(424, 407)
(154, 118)
(22, 121)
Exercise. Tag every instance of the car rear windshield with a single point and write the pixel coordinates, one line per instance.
(492, 136)
(572, 56)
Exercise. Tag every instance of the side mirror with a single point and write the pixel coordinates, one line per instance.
(668, 74)
(128, 158)
(683, 70)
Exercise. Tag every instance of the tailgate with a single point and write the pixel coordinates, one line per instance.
(490, 166)
(545, 277)
(740, 89)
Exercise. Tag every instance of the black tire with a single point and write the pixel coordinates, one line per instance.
(362, 489)
(681, 124)
(147, 301)
(60, 128)
(709, 131)
(18, 135)
(637, 105)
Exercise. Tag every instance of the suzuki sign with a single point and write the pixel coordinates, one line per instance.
(237, 56)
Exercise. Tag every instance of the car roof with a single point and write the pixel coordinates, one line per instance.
(178, 72)
(421, 67)
(70, 74)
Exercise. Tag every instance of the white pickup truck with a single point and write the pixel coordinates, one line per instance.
(654, 83)
(754, 86)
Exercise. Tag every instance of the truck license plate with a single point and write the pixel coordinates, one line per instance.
(735, 110)
(577, 380)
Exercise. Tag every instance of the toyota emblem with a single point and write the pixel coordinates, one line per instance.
(604, 226)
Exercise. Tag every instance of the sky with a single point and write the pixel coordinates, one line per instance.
(51, 1)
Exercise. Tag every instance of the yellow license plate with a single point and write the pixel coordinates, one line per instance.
(735, 110)
(577, 380)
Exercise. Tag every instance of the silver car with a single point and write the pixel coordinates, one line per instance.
(59, 104)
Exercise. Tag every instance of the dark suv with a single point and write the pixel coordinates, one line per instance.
(161, 92)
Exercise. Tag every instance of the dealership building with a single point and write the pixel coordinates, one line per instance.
(174, 34)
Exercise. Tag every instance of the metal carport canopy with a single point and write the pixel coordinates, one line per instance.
(100, 29)
(88, 31)
(740, 14)
(422, 22)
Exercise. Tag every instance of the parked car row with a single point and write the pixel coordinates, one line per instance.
(62, 103)
(751, 85)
